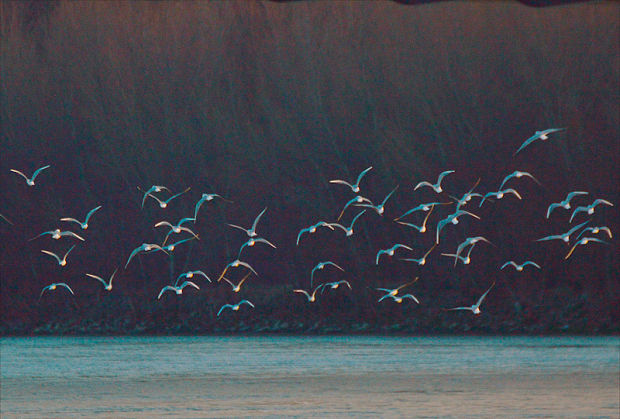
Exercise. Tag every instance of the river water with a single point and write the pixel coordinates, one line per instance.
(344, 376)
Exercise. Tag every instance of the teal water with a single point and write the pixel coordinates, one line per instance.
(309, 376)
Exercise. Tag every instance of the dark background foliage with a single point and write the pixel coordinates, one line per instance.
(264, 103)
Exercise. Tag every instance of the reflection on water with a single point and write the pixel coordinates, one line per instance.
(309, 376)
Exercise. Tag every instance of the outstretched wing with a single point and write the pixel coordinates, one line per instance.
(39, 170)
(257, 219)
(484, 295)
(359, 178)
(90, 213)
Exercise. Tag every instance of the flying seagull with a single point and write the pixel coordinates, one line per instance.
(84, 224)
(590, 208)
(394, 291)
(164, 203)
(538, 135)
(251, 232)
(379, 209)
(207, 197)
(596, 230)
(190, 275)
(144, 247)
(106, 285)
(499, 195)
(421, 261)
(311, 297)
(30, 181)
(234, 264)
(476, 307)
(583, 241)
(421, 228)
(177, 289)
(452, 218)
(237, 287)
(53, 287)
(357, 200)
(518, 267)
(356, 186)
(390, 251)
(348, 230)
(57, 234)
(437, 186)
(313, 228)
(252, 241)
(400, 299)
(235, 307)
(63, 261)
(517, 174)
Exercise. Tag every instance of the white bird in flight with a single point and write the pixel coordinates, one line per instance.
(467, 196)
(234, 264)
(465, 259)
(357, 200)
(312, 229)
(170, 247)
(54, 286)
(234, 307)
(63, 261)
(207, 197)
(237, 287)
(518, 267)
(356, 186)
(164, 203)
(84, 224)
(565, 203)
(177, 289)
(400, 299)
(177, 228)
(348, 230)
(390, 251)
(311, 297)
(518, 174)
(542, 135)
(57, 234)
(596, 230)
(394, 291)
(252, 241)
(107, 285)
(564, 236)
(336, 284)
(320, 266)
(583, 241)
(152, 189)
(499, 195)
(30, 180)
(589, 208)
(144, 247)
(437, 186)
(420, 228)
(379, 209)
(476, 307)
(190, 275)
(422, 207)
(421, 261)
(251, 232)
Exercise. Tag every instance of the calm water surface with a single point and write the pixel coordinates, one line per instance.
(310, 376)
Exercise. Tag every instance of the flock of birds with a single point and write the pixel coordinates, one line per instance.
(183, 231)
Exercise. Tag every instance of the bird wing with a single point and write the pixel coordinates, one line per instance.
(257, 218)
(512, 191)
(341, 182)
(412, 297)
(164, 289)
(198, 204)
(39, 170)
(389, 195)
(185, 220)
(239, 227)
(62, 284)
(72, 234)
(20, 173)
(577, 227)
(90, 213)
(574, 193)
(601, 201)
(552, 207)
(333, 264)
(577, 211)
(361, 175)
(302, 231)
(442, 175)
(52, 254)
(246, 302)
(507, 178)
(529, 262)
(163, 223)
(460, 308)
(175, 195)
(379, 253)
(68, 251)
(190, 283)
(133, 253)
(224, 307)
(248, 266)
(484, 295)
(355, 218)
(261, 240)
(300, 291)
(423, 183)
(552, 237)
(528, 142)
(100, 279)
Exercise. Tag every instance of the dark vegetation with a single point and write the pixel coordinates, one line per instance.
(264, 103)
